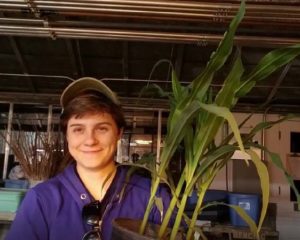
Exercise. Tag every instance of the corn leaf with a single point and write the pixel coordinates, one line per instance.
(220, 153)
(225, 97)
(219, 57)
(155, 90)
(188, 151)
(176, 87)
(275, 158)
(226, 94)
(267, 65)
(177, 132)
(159, 204)
(268, 124)
(263, 173)
(229, 137)
(226, 114)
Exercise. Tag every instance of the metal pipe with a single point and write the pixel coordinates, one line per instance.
(132, 80)
(8, 140)
(35, 75)
(134, 35)
(158, 7)
(277, 84)
(22, 21)
(161, 4)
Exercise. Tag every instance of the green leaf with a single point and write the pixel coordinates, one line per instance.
(263, 173)
(219, 57)
(153, 89)
(177, 132)
(209, 124)
(268, 124)
(267, 65)
(245, 88)
(160, 207)
(188, 150)
(176, 87)
(226, 94)
(221, 152)
(275, 158)
(226, 114)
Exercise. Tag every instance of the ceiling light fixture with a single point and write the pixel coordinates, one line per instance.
(143, 142)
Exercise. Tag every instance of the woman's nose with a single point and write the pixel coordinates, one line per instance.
(91, 138)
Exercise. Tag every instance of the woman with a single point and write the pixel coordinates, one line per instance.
(82, 201)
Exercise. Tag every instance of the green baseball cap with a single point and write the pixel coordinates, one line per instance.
(83, 84)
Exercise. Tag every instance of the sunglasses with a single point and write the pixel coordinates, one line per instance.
(91, 214)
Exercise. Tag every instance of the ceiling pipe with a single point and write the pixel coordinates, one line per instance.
(131, 80)
(181, 5)
(126, 25)
(134, 35)
(218, 12)
(277, 84)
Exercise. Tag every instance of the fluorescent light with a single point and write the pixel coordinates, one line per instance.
(133, 144)
(143, 142)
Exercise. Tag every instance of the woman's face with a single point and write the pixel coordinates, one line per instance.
(92, 140)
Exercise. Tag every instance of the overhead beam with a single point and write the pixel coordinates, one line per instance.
(179, 59)
(20, 59)
(22, 63)
(72, 57)
(79, 57)
(125, 60)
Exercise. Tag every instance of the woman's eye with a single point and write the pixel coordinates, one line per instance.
(78, 130)
(102, 129)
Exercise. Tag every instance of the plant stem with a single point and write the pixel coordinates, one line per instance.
(171, 207)
(179, 215)
(195, 214)
(149, 206)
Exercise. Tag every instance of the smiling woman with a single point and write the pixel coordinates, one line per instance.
(82, 201)
(92, 141)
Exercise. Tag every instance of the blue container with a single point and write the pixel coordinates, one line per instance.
(249, 202)
(19, 184)
(211, 195)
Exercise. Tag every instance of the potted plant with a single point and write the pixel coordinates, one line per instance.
(195, 118)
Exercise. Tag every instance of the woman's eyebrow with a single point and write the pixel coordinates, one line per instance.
(97, 124)
(103, 123)
(76, 124)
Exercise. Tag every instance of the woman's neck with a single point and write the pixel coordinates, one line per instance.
(98, 182)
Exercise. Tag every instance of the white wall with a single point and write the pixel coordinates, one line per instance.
(278, 140)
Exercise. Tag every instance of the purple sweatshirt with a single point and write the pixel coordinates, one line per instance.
(52, 210)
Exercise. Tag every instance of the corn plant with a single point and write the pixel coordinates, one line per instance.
(195, 118)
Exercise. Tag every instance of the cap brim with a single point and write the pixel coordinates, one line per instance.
(83, 84)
